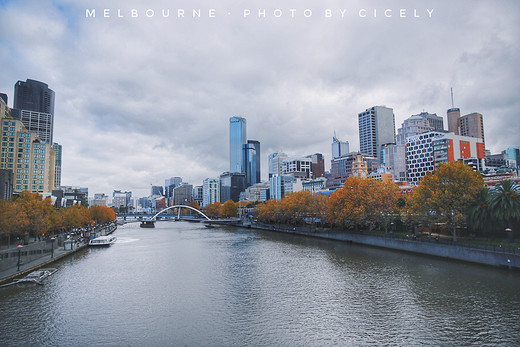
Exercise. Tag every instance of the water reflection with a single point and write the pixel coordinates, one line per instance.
(183, 284)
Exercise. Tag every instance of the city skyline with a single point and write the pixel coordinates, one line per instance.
(139, 100)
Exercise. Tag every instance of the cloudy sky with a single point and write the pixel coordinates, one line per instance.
(141, 99)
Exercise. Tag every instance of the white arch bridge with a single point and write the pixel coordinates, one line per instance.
(150, 222)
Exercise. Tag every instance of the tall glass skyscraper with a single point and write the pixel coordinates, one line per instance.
(34, 106)
(237, 141)
(252, 162)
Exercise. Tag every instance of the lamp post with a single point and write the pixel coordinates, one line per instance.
(52, 247)
(509, 235)
(19, 250)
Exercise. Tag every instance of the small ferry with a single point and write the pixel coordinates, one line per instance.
(102, 241)
(34, 277)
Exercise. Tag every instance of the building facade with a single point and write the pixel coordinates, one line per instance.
(297, 167)
(339, 148)
(31, 160)
(210, 191)
(237, 140)
(376, 128)
(57, 165)
(183, 194)
(275, 163)
(231, 185)
(318, 165)
(424, 152)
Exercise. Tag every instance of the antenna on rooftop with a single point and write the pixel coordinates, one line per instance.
(452, 106)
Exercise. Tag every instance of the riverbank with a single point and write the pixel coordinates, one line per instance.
(502, 257)
(42, 255)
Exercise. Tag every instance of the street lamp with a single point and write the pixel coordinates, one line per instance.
(52, 247)
(509, 235)
(19, 250)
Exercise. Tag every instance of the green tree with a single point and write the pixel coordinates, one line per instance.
(479, 212)
(505, 204)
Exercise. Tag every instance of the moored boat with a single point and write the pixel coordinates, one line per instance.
(102, 241)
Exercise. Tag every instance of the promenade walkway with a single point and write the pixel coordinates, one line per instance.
(45, 261)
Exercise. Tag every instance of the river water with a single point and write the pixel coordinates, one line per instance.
(182, 284)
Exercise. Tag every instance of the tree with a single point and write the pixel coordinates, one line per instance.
(505, 203)
(76, 216)
(447, 192)
(364, 203)
(479, 212)
(229, 209)
(213, 210)
(102, 214)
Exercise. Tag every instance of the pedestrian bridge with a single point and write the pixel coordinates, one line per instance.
(150, 222)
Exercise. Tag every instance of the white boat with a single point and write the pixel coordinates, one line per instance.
(102, 241)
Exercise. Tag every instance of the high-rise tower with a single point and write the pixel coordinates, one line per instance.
(34, 106)
(237, 140)
(376, 128)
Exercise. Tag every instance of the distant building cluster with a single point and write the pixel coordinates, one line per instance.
(30, 160)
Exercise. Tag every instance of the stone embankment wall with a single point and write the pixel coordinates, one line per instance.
(494, 256)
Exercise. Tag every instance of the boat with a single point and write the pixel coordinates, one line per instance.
(102, 241)
(34, 277)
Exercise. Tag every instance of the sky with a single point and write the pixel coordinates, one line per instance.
(142, 96)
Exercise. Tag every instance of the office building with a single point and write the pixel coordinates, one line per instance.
(275, 163)
(253, 162)
(197, 194)
(231, 185)
(339, 148)
(6, 184)
(57, 165)
(318, 165)
(376, 128)
(210, 191)
(435, 122)
(237, 140)
(424, 152)
(472, 125)
(31, 160)
(157, 190)
(34, 106)
(183, 194)
(297, 167)
(453, 116)
(169, 184)
(281, 185)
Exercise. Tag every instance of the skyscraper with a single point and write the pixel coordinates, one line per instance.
(252, 162)
(376, 128)
(453, 115)
(34, 106)
(472, 125)
(237, 140)
(34, 96)
(339, 148)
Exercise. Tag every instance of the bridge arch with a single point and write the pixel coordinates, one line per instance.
(180, 206)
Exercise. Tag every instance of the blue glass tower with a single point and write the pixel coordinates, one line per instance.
(237, 140)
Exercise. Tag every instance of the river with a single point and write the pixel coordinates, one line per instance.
(182, 284)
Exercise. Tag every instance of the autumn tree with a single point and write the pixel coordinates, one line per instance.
(365, 203)
(213, 210)
(37, 212)
(229, 209)
(76, 216)
(102, 214)
(447, 192)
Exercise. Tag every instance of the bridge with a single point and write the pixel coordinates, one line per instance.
(150, 222)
